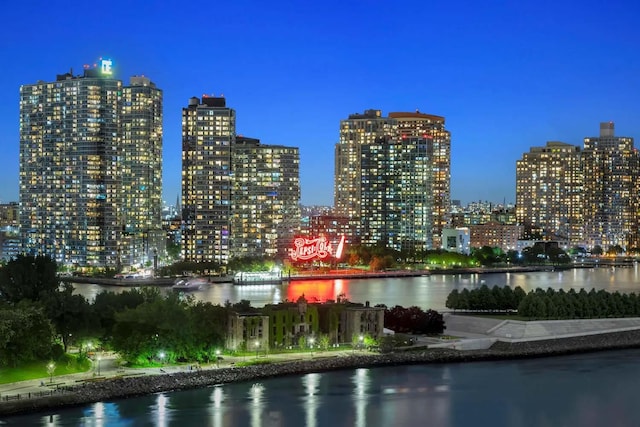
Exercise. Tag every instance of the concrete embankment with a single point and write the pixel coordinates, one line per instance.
(134, 386)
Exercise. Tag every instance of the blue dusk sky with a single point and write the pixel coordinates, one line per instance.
(507, 75)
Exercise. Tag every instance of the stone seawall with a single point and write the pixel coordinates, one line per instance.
(119, 388)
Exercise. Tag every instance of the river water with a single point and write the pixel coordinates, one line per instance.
(425, 292)
(598, 389)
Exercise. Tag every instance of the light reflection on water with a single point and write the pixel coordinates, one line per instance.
(216, 406)
(311, 400)
(425, 292)
(579, 390)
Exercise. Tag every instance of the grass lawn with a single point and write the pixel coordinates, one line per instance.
(35, 370)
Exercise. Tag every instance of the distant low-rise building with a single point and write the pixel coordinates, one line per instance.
(456, 240)
(496, 235)
(288, 323)
(9, 214)
(10, 243)
(248, 331)
(361, 320)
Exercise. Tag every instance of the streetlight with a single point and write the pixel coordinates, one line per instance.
(161, 357)
(51, 367)
(257, 347)
(218, 358)
(361, 338)
(98, 360)
(311, 341)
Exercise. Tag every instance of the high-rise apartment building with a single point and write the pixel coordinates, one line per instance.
(611, 169)
(430, 130)
(549, 192)
(208, 132)
(396, 194)
(73, 155)
(239, 197)
(265, 198)
(392, 178)
(141, 170)
(357, 131)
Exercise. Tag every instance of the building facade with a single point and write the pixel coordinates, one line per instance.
(356, 131)
(457, 240)
(141, 170)
(208, 131)
(72, 160)
(265, 198)
(340, 322)
(611, 170)
(248, 332)
(495, 235)
(430, 130)
(240, 198)
(9, 215)
(392, 178)
(549, 192)
(333, 227)
(481, 213)
(587, 197)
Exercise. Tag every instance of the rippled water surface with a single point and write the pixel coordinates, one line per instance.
(425, 292)
(598, 389)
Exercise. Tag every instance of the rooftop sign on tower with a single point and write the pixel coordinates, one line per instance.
(106, 66)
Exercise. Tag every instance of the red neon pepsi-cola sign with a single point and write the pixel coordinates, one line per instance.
(311, 249)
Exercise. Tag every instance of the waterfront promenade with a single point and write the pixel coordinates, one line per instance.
(469, 338)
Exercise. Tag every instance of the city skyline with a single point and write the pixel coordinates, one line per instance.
(506, 78)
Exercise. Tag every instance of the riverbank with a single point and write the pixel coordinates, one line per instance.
(123, 387)
(329, 275)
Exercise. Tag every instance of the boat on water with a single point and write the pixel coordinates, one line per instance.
(189, 284)
(258, 278)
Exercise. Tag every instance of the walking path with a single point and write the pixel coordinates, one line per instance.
(477, 332)
(109, 368)
(470, 332)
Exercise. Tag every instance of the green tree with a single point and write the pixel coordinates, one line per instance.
(107, 304)
(500, 301)
(302, 342)
(28, 277)
(485, 300)
(208, 326)
(324, 342)
(550, 308)
(71, 315)
(487, 255)
(463, 300)
(525, 308)
(369, 342)
(453, 300)
(539, 306)
(518, 295)
(157, 325)
(26, 335)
